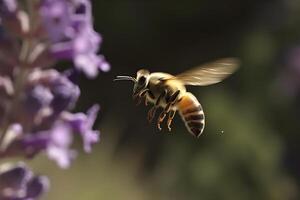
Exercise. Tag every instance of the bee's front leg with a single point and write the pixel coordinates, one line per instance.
(152, 111)
(139, 101)
(140, 96)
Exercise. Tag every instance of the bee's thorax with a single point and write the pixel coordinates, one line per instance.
(159, 83)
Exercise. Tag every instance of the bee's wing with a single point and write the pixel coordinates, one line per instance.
(209, 73)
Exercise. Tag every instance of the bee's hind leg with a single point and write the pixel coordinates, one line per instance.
(171, 115)
(161, 119)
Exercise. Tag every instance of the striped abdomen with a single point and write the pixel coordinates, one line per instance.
(192, 114)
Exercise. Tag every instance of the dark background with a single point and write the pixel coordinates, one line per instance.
(249, 148)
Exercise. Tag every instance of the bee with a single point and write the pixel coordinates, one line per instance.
(168, 92)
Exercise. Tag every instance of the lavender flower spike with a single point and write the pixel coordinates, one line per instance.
(35, 99)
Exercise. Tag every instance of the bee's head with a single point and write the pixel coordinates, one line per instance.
(140, 82)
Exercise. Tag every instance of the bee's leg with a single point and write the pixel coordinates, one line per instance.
(139, 101)
(142, 96)
(146, 101)
(140, 93)
(171, 101)
(161, 119)
(152, 111)
(171, 115)
(145, 98)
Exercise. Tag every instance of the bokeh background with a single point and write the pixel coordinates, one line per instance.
(250, 147)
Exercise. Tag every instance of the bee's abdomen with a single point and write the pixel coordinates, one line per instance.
(192, 114)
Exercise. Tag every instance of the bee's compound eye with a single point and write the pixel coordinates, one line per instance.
(142, 80)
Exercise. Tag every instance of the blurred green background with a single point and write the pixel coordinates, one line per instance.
(249, 149)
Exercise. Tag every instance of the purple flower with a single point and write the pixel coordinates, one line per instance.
(65, 93)
(47, 94)
(37, 98)
(8, 6)
(69, 27)
(58, 149)
(17, 182)
(83, 124)
(20, 144)
(57, 140)
(56, 18)
(85, 59)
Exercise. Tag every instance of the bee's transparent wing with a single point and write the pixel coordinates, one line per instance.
(209, 73)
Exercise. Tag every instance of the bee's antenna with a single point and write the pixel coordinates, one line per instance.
(125, 78)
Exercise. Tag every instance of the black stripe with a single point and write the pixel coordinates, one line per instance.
(196, 131)
(175, 95)
(172, 97)
(194, 117)
(195, 124)
(191, 110)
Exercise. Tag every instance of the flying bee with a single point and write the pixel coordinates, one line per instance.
(169, 92)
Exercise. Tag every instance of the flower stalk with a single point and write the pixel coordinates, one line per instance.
(35, 99)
